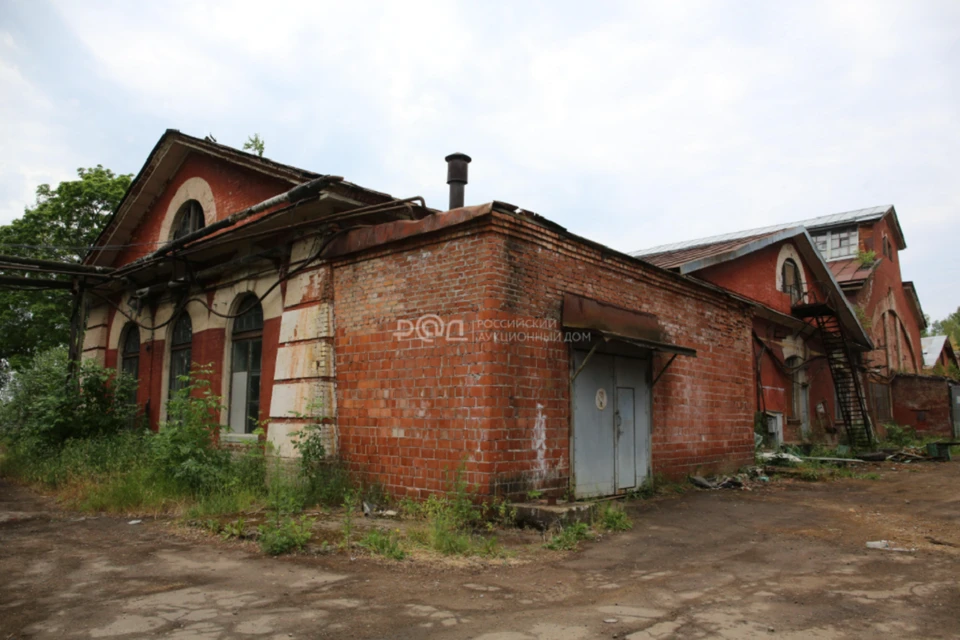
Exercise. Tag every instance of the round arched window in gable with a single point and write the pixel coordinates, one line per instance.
(181, 343)
(245, 359)
(189, 218)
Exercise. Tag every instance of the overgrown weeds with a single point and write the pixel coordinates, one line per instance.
(86, 441)
(384, 543)
(284, 534)
(569, 537)
(613, 517)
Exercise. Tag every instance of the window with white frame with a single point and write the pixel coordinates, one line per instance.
(838, 243)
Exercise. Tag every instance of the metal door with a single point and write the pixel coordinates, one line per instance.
(611, 430)
(955, 403)
(625, 422)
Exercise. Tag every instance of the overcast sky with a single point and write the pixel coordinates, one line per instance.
(634, 124)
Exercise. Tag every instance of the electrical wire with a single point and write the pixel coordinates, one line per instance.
(301, 266)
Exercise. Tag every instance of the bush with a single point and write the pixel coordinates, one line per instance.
(612, 517)
(99, 463)
(279, 536)
(45, 409)
(384, 543)
(569, 537)
(184, 451)
(900, 436)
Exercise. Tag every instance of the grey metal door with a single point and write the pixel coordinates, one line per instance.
(625, 422)
(611, 424)
(593, 441)
(955, 403)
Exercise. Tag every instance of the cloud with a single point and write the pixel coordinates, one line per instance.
(32, 152)
(632, 123)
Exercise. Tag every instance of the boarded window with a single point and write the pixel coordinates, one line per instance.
(880, 395)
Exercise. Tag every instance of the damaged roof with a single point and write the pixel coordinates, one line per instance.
(820, 223)
(164, 160)
(692, 259)
(932, 348)
(851, 271)
(680, 257)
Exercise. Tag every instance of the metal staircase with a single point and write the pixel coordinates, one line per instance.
(846, 382)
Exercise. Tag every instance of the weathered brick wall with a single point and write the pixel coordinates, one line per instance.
(408, 410)
(884, 292)
(233, 188)
(702, 407)
(755, 276)
(777, 381)
(923, 402)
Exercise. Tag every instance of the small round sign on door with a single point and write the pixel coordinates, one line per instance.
(601, 399)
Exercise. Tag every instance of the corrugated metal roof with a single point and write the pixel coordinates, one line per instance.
(932, 347)
(812, 224)
(678, 258)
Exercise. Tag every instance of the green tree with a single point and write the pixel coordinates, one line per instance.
(949, 326)
(254, 144)
(59, 226)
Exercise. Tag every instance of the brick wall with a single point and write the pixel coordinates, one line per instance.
(409, 410)
(234, 188)
(755, 276)
(884, 292)
(923, 402)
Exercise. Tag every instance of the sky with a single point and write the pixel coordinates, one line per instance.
(631, 123)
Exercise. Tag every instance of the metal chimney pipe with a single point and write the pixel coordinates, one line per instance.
(457, 177)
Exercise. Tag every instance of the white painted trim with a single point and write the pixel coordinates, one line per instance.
(788, 251)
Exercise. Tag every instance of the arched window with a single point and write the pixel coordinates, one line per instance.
(792, 283)
(130, 355)
(188, 219)
(181, 341)
(246, 350)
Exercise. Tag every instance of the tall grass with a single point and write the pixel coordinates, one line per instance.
(107, 464)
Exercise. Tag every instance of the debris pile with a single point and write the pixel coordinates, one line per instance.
(739, 481)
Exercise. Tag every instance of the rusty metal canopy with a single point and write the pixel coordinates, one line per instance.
(612, 323)
(653, 345)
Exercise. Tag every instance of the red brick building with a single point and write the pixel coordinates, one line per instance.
(861, 249)
(485, 337)
(782, 272)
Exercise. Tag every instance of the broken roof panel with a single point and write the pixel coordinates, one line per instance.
(851, 271)
(932, 348)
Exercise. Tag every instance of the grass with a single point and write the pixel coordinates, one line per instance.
(568, 538)
(611, 516)
(384, 543)
(283, 535)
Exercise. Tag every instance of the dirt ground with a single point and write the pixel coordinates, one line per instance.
(786, 561)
